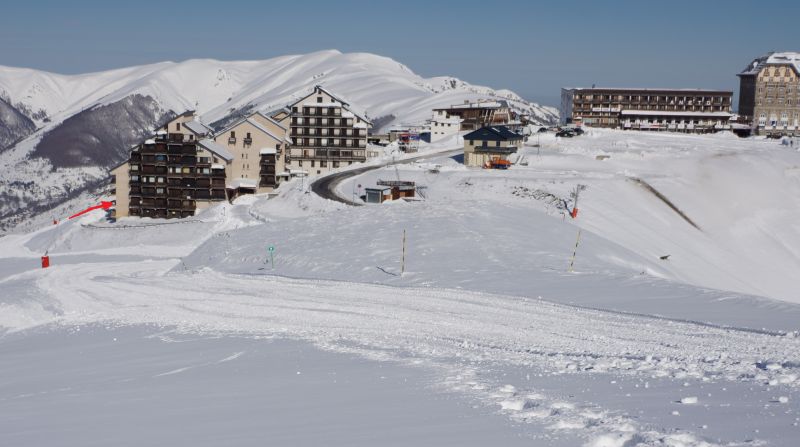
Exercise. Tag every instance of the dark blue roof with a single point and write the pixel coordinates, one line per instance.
(493, 133)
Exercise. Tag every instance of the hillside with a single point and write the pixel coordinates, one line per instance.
(85, 123)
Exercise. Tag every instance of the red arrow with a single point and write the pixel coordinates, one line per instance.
(103, 204)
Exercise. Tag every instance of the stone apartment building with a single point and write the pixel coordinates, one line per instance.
(678, 110)
(769, 94)
(326, 133)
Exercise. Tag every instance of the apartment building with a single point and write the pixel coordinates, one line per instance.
(444, 124)
(678, 110)
(475, 115)
(185, 167)
(325, 132)
(172, 174)
(769, 94)
(258, 144)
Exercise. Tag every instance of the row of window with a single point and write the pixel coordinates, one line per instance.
(329, 142)
(660, 98)
(334, 132)
(299, 120)
(324, 164)
(778, 101)
(335, 111)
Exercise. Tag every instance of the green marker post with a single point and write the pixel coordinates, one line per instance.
(271, 250)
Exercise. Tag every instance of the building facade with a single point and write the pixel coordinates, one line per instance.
(183, 168)
(488, 144)
(769, 94)
(475, 115)
(678, 110)
(444, 124)
(326, 133)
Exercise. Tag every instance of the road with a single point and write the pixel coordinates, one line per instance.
(325, 187)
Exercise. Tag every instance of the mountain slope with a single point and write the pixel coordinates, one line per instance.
(87, 122)
(14, 125)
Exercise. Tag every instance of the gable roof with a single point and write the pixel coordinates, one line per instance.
(258, 125)
(212, 146)
(198, 128)
(345, 104)
(493, 133)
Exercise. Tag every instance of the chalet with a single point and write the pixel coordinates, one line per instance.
(488, 144)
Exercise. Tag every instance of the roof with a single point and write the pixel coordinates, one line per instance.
(242, 183)
(215, 148)
(784, 58)
(267, 151)
(666, 113)
(493, 133)
(258, 126)
(645, 89)
(198, 128)
(345, 104)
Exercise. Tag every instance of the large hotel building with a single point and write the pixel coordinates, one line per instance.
(769, 94)
(678, 110)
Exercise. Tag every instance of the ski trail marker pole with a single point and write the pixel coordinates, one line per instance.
(403, 259)
(577, 241)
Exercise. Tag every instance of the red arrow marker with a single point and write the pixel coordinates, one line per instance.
(103, 204)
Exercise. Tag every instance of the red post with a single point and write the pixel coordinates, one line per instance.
(574, 213)
(45, 262)
(55, 222)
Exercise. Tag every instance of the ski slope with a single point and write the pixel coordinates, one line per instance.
(701, 349)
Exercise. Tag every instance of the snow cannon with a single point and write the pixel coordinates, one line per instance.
(574, 213)
(45, 261)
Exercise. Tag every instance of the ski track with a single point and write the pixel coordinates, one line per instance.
(458, 332)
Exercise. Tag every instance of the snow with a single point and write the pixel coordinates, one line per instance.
(699, 349)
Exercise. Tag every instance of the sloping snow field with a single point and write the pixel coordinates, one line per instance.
(626, 349)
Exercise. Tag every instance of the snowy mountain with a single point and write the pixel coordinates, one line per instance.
(85, 123)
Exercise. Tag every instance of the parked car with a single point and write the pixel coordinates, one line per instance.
(565, 134)
(577, 131)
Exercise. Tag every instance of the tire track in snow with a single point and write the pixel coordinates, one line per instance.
(458, 332)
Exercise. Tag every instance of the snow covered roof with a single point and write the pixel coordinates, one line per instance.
(784, 58)
(150, 141)
(256, 124)
(212, 146)
(360, 125)
(217, 166)
(198, 128)
(493, 133)
(242, 183)
(260, 127)
(267, 151)
(665, 113)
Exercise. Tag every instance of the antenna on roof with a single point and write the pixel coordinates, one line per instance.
(593, 85)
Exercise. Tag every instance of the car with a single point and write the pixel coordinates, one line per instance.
(577, 131)
(565, 134)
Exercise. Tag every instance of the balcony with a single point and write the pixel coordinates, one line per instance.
(231, 140)
(247, 141)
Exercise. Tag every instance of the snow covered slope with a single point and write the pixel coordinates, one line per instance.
(72, 112)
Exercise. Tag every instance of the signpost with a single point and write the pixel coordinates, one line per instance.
(271, 250)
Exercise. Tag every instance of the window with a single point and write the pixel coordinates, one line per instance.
(319, 99)
(233, 134)
(299, 163)
(248, 135)
(323, 164)
(312, 163)
(497, 143)
(159, 190)
(472, 142)
(177, 126)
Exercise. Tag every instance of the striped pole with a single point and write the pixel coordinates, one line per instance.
(403, 259)
(577, 241)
